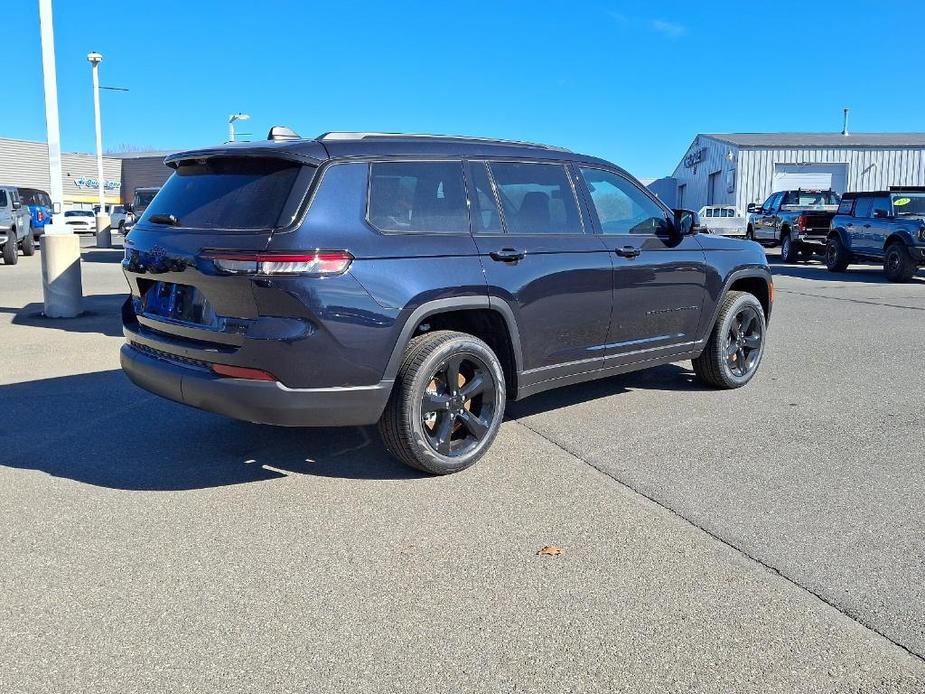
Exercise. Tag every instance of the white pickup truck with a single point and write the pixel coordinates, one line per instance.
(15, 226)
(722, 220)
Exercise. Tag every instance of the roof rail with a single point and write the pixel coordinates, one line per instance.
(353, 136)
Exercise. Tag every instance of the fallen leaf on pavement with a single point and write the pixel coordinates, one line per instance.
(549, 551)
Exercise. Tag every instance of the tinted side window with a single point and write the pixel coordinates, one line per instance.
(863, 207)
(537, 199)
(845, 206)
(485, 215)
(882, 206)
(3, 202)
(418, 196)
(622, 207)
(769, 203)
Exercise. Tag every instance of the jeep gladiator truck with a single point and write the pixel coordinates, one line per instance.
(15, 226)
(798, 220)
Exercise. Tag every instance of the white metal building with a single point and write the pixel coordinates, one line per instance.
(726, 169)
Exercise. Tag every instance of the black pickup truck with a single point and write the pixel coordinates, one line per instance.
(798, 220)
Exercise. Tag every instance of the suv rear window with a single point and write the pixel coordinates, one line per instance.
(537, 199)
(226, 193)
(418, 196)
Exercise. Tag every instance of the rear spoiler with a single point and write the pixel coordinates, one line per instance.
(302, 152)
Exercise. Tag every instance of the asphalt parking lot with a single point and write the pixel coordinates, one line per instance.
(765, 539)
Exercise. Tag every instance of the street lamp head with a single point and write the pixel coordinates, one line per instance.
(238, 116)
(95, 58)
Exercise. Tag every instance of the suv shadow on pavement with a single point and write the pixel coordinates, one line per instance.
(102, 314)
(99, 430)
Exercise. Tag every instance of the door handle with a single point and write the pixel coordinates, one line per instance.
(507, 255)
(628, 252)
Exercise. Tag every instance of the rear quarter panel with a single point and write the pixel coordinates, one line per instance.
(393, 274)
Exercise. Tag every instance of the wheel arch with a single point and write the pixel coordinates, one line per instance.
(902, 236)
(757, 281)
(491, 320)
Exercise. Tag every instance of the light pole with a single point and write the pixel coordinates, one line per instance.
(103, 236)
(61, 282)
(231, 119)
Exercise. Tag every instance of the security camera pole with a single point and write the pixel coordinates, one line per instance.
(231, 119)
(103, 235)
(61, 282)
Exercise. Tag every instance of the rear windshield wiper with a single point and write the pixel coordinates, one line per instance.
(164, 219)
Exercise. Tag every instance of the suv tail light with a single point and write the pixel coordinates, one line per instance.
(315, 263)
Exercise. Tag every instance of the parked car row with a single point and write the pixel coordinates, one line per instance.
(879, 226)
(15, 226)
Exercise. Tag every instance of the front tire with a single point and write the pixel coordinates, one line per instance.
(11, 249)
(837, 257)
(898, 265)
(788, 249)
(447, 403)
(736, 345)
(750, 233)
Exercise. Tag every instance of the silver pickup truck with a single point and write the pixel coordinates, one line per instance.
(15, 226)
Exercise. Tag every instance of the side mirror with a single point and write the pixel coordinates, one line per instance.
(128, 208)
(16, 204)
(687, 222)
(752, 207)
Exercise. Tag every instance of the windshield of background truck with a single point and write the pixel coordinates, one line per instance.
(908, 204)
(808, 198)
(142, 199)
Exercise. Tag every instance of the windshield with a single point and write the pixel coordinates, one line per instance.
(78, 213)
(909, 204)
(226, 193)
(143, 198)
(808, 198)
(34, 196)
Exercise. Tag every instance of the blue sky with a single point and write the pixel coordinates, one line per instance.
(632, 82)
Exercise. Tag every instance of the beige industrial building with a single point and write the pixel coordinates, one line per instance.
(24, 163)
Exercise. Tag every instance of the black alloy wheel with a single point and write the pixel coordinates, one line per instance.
(457, 408)
(743, 341)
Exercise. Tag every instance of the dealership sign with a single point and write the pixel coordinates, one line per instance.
(83, 182)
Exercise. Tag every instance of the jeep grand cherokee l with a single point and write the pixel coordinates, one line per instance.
(420, 282)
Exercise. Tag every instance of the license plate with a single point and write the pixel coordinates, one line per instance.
(177, 302)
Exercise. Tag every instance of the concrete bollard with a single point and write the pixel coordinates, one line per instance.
(61, 281)
(103, 231)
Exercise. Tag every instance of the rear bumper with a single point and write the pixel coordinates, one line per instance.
(256, 401)
(814, 239)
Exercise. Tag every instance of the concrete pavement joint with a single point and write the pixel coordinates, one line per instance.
(852, 301)
(723, 541)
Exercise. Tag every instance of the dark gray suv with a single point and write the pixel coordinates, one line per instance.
(420, 282)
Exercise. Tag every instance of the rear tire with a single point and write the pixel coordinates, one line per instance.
(11, 249)
(28, 244)
(837, 257)
(788, 249)
(736, 345)
(439, 370)
(898, 265)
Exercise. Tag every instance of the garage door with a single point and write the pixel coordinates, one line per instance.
(812, 176)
